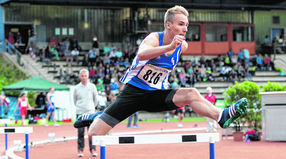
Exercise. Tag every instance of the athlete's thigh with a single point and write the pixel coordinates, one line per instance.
(126, 104)
(160, 100)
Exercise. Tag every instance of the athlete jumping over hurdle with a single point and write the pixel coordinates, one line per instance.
(147, 85)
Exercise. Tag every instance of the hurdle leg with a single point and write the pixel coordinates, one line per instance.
(6, 140)
(27, 146)
(102, 151)
(212, 150)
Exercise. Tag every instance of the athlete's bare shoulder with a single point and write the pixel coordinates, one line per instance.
(152, 40)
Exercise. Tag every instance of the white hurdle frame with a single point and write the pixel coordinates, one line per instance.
(18, 130)
(156, 139)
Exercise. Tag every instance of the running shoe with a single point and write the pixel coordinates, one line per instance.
(85, 120)
(231, 113)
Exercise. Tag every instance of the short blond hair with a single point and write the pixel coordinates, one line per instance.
(83, 70)
(169, 15)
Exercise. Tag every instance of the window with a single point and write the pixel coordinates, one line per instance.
(216, 33)
(194, 32)
(276, 20)
(243, 33)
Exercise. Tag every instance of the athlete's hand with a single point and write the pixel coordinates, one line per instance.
(177, 40)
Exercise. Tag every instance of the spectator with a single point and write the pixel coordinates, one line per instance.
(246, 56)
(135, 117)
(4, 106)
(191, 80)
(268, 64)
(85, 60)
(92, 57)
(11, 41)
(102, 101)
(85, 100)
(203, 72)
(68, 55)
(240, 56)
(23, 103)
(95, 44)
(51, 106)
(41, 100)
(106, 59)
(179, 112)
(109, 95)
(211, 124)
(19, 38)
(182, 77)
(75, 54)
(99, 85)
(114, 86)
(53, 42)
(259, 62)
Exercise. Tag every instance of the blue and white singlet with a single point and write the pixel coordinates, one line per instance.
(152, 74)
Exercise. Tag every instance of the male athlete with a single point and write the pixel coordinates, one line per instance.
(147, 82)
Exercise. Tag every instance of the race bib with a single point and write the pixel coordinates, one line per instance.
(153, 75)
(24, 103)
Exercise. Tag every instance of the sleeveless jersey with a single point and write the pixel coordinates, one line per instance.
(23, 102)
(152, 74)
(52, 99)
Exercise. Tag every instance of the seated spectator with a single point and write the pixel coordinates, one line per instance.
(99, 85)
(191, 80)
(102, 100)
(85, 61)
(100, 70)
(203, 72)
(75, 54)
(259, 62)
(53, 42)
(240, 56)
(54, 52)
(106, 79)
(197, 73)
(106, 59)
(267, 41)
(92, 57)
(224, 73)
(182, 77)
(68, 55)
(112, 56)
(213, 66)
(268, 64)
(92, 73)
(114, 87)
(62, 49)
(110, 96)
(246, 56)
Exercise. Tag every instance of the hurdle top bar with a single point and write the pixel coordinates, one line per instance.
(5, 121)
(12, 130)
(155, 139)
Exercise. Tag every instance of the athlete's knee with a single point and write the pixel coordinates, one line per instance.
(192, 93)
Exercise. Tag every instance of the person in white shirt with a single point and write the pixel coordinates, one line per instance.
(85, 101)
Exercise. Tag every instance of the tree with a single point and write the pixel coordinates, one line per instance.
(249, 90)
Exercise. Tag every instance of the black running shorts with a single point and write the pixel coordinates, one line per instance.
(133, 99)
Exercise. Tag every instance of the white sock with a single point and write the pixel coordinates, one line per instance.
(220, 115)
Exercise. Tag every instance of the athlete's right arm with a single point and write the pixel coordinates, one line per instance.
(149, 48)
(17, 105)
(48, 98)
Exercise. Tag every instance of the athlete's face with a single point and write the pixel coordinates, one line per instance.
(83, 77)
(179, 24)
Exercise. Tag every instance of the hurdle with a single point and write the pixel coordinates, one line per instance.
(156, 139)
(18, 130)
